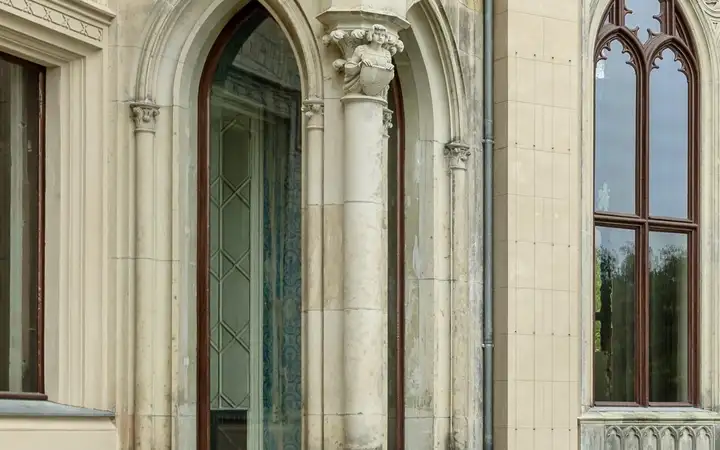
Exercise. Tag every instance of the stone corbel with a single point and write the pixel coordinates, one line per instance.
(457, 155)
(367, 58)
(144, 114)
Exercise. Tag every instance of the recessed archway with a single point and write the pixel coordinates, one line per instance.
(249, 244)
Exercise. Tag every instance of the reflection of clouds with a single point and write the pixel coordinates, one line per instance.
(617, 241)
(615, 129)
(620, 242)
(668, 138)
(615, 136)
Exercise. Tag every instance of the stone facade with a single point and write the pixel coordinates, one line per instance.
(121, 222)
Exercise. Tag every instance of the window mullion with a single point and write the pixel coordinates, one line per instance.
(643, 241)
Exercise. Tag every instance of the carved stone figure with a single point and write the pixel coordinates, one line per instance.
(368, 67)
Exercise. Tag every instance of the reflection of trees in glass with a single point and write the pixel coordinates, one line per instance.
(668, 323)
(660, 175)
(615, 324)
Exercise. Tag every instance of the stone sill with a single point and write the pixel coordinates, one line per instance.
(604, 415)
(42, 408)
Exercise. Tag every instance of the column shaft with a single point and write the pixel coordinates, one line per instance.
(365, 273)
(457, 155)
(153, 393)
(313, 277)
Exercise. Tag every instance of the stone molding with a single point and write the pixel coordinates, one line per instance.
(144, 114)
(83, 19)
(366, 61)
(457, 155)
(642, 435)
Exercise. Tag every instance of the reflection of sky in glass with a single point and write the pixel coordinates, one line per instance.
(618, 241)
(615, 88)
(662, 242)
(668, 138)
(642, 17)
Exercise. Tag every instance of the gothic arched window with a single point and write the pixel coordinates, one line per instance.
(646, 207)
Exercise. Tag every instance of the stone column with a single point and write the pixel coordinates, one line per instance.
(312, 309)
(152, 381)
(367, 69)
(457, 155)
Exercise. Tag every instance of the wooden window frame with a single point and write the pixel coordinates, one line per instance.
(673, 35)
(40, 263)
(248, 17)
(399, 232)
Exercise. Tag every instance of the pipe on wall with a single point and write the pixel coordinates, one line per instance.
(488, 144)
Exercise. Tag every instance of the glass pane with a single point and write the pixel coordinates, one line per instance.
(668, 138)
(643, 17)
(614, 331)
(255, 227)
(615, 109)
(668, 317)
(19, 164)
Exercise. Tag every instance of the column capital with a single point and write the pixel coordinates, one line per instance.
(144, 114)
(313, 106)
(457, 154)
(367, 41)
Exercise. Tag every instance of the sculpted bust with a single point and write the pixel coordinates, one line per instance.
(369, 68)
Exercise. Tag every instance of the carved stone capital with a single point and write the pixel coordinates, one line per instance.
(144, 115)
(313, 107)
(366, 62)
(457, 155)
(387, 121)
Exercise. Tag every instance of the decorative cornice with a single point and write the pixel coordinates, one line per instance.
(457, 155)
(79, 17)
(144, 114)
(313, 107)
(387, 121)
(367, 58)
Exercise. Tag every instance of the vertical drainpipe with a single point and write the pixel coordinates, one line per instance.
(488, 60)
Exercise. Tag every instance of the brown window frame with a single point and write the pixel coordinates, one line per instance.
(399, 231)
(40, 264)
(673, 35)
(249, 16)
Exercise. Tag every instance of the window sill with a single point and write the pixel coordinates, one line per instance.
(43, 408)
(605, 414)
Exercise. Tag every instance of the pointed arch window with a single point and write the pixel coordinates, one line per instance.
(646, 207)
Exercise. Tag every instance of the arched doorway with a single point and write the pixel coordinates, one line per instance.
(249, 246)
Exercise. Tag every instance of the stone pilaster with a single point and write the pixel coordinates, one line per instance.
(457, 155)
(152, 373)
(367, 69)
